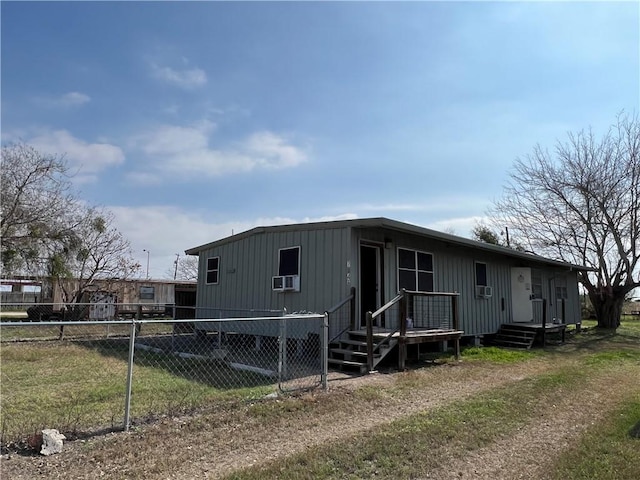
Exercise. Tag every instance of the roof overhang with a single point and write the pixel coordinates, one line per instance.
(386, 223)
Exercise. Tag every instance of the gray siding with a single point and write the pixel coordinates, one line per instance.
(247, 266)
(329, 266)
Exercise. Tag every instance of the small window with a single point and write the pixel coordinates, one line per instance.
(289, 261)
(213, 267)
(481, 274)
(561, 288)
(415, 270)
(147, 293)
(536, 283)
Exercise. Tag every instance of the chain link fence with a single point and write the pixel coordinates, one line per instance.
(85, 376)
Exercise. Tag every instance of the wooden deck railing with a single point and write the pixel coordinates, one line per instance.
(405, 299)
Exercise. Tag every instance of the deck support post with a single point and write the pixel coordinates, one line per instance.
(544, 322)
(564, 321)
(456, 325)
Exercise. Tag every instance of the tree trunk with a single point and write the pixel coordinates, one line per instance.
(608, 308)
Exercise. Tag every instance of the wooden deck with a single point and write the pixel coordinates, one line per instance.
(524, 334)
(417, 335)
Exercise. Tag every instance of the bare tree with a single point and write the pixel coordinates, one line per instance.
(581, 205)
(36, 195)
(95, 250)
(47, 230)
(185, 268)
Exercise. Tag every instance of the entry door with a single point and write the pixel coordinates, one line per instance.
(370, 280)
(521, 292)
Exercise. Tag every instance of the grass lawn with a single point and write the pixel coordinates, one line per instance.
(84, 387)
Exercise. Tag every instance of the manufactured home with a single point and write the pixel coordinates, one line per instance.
(311, 267)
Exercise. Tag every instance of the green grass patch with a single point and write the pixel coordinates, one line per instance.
(80, 386)
(607, 450)
(498, 355)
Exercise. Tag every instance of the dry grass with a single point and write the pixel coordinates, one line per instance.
(367, 422)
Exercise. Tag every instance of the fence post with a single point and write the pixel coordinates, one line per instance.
(325, 351)
(282, 351)
(132, 346)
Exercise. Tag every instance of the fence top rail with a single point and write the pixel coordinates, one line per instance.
(159, 320)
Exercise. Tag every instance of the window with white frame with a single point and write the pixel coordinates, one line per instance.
(481, 274)
(415, 270)
(289, 261)
(213, 270)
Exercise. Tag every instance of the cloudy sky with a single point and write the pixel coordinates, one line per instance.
(191, 121)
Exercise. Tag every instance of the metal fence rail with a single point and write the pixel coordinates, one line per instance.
(103, 374)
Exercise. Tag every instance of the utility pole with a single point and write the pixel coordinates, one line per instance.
(175, 271)
(148, 252)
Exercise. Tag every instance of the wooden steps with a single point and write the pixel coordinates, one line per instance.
(351, 353)
(515, 336)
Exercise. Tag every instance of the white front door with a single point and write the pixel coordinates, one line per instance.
(521, 291)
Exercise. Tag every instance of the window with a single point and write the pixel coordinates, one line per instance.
(415, 270)
(536, 283)
(561, 288)
(147, 293)
(481, 274)
(213, 267)
(289, 261)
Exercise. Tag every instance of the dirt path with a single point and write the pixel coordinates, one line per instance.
(231, 441)
(530, 452)
(215, 444)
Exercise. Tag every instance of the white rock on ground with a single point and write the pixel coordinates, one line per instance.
(51, 441)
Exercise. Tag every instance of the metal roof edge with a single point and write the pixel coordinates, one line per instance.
(383, 222)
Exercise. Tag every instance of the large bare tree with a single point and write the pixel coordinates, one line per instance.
(580, 204)
(48, 230)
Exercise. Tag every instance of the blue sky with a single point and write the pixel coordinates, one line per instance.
(191, 120)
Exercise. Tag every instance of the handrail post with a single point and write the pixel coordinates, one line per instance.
(402, 346)
(544, 322)
(352, 308)
(369, 342)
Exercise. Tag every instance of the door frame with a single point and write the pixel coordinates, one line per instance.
(379, 268)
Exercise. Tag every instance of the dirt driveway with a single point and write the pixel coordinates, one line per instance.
(216, 443)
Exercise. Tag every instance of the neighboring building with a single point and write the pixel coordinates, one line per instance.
(313, 266)
(108, 297)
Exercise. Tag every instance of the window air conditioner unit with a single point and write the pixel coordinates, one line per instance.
(286, 283)
(484, 291)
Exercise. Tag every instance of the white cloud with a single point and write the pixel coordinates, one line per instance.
(184, 151)
(68, 100)
(187, 79)
(272, 151)
(88, 158)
